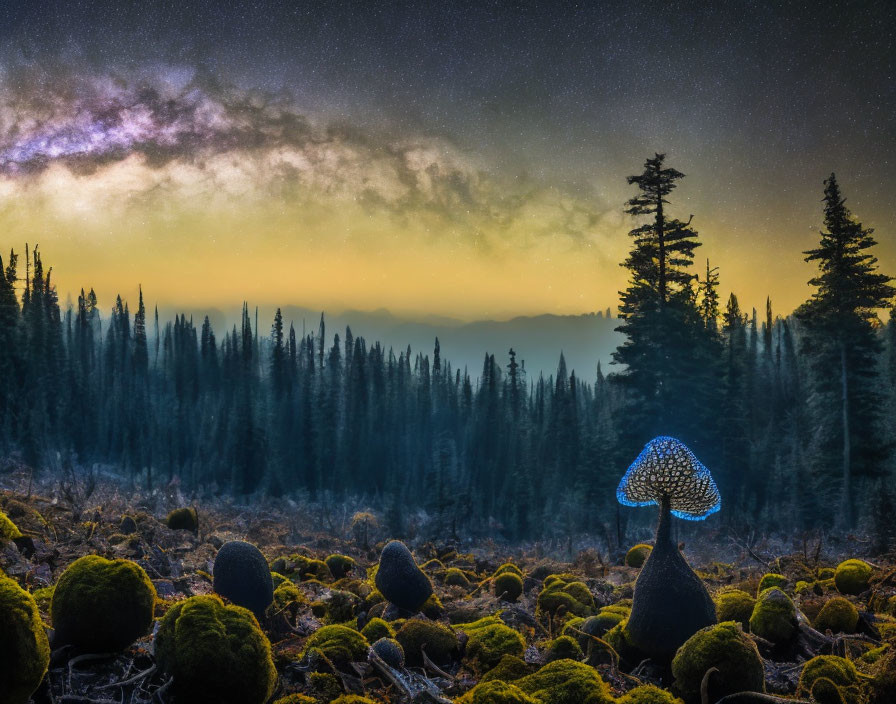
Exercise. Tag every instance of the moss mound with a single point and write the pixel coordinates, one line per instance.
(774, 616)
(301, 567)
(400, 580)
(439, 641)
(286, 595)
(241, 574)
(830, 679)
(508, 586)
(508, 567)
(648, 694)
(839, 615)
(390, 651)
(8, 529)
(456, 578)
(353, 699)
(339, 565)
(770, 580)
(563, 648)
(726, 647)
(566, 682)
(183, 519)
(215, 653)
(496, 692)
(637, 555)
(295, 699)
(340, 644)
(377, 628)
(562, 593)
(24, 649)
(489, 643)
(883, 686)
(102, 605)
(509, 669)
(734, 605)
(341, 606)
(853, 576)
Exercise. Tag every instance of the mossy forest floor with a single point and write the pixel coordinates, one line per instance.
(63, 521)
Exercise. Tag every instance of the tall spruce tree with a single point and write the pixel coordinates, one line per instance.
(842, 343)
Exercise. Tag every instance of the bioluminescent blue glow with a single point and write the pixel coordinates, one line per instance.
(666, 467)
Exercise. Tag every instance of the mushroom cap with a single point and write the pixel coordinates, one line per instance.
(666, 467)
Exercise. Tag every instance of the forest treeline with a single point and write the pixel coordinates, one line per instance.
(792, 414)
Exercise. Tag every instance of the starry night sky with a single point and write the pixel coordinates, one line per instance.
(467, 159)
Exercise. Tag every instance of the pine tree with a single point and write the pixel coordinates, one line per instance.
(841, 340)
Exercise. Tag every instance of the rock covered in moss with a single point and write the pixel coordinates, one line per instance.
(295, 699)
(339, 565)
(648, 694)
(377, 628)
(774, 616)
(508, 567)
(566, 682)
(637, 555)
(837, 615)
(830, 679)
(353, 699)
(508, 586)
(390, 651)
(216, 653)
(456, 578)
(440, 642)
(734, 605)
(400, 580)
(183, 519)
(565, 592)
(883, 684)
(302, 567)
(563, 648)
(102, 605)
(8, 529)
(24, 648)
(853, 576)
(724, 646)
(772, 579)
(497, 692)
(340, 644)
(509, 669)
(241, 574)
(490, 642)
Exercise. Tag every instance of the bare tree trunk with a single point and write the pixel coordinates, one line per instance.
(846, 508)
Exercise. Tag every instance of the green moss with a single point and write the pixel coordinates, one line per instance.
(215, 653)
(637, 555)
(339, 644)
(774, 616)
(302, 568)
(827, 677)
(23, 644)
(295, 699)
(286, 595)
(508, 567)
(772, 580)
(277, 579)
(566, 682)
(377, 628)
(734, 605)
(853, 576)
(826, 572)
(353, 699)
(883, 686)
(618, 639)
(561, 593)
(102, 605)
(8, 529)
(325, 686)
(839, 615)
(183, 519)
(43, 597)
(508, 669)
(648, 694)
(440, 641)
(339, 565)
(563, 648)
(488, 644)
(456, 578)
(496, 692)
(724, 646)
(432, 607)
(341, 606)
(433, 565)
(508, 586)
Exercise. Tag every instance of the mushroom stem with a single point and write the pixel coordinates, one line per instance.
(664, 527)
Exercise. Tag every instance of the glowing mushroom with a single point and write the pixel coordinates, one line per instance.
(670, 601)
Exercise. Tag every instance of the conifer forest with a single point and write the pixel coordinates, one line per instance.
(447, 353)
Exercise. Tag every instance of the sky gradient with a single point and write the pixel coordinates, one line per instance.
(462, 159)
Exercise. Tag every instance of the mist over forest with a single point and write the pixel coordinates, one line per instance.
(791, 410)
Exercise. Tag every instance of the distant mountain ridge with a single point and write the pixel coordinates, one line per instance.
(538, 340)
